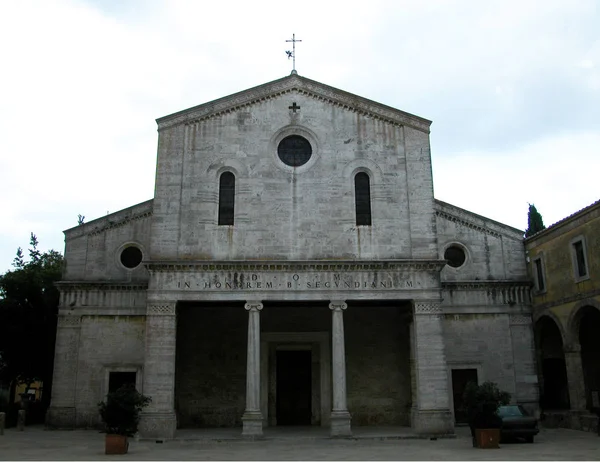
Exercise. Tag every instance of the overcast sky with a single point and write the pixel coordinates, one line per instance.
(512, 87)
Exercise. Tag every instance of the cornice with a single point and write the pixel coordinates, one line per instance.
(469, 219)
(279, 266)
(114, 220)
(302, 85)
(563, 225)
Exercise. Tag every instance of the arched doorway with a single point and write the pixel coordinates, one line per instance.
(554, 387)
(589, 339)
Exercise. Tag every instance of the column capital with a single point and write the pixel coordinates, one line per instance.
(431, 307)
(338, 305)
(161, 308)
(253, 305)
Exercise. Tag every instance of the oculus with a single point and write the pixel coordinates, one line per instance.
(294, 150)
(455, 256)
(131, 257)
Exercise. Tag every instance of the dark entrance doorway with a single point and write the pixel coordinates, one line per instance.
(293, 387)
(460, 378)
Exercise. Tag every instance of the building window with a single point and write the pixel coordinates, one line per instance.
(226, 198)
(362, 191)
(455, 256)
(131, 257)
(294, 150)
(539, 276)
(578, 252)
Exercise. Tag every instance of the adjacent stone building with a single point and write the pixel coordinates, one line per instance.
(564, 262)
(293, 268)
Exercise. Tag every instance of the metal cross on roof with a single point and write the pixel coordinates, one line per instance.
(292, 54)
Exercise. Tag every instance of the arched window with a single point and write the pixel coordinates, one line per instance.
(226, 198)
(362, 196)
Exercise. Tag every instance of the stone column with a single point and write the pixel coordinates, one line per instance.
(576, 383)
(252, 418)
(158, 420)
(340, 417)
(61, 413)
(432, 415)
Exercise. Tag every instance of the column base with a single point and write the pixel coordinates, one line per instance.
(61, 418)
(433, 422)
(340, 424)
(158, 425)
(252, 424)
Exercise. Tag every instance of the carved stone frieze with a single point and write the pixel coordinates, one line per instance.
(520, 320)
(161, 309)
(430, 308)
(69, 321)
(279, 266)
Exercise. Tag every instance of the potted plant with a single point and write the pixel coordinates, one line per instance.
(481, 403)
(120, 414)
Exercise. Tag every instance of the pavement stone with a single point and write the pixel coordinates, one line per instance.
(35, 443)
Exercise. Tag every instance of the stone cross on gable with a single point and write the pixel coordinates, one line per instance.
(294, 107)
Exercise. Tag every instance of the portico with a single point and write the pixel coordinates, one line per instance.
(276, 291)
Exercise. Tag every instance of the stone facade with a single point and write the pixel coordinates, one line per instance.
(564, 263)
(208, 314)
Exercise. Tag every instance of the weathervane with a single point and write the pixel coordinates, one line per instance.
(292, 54)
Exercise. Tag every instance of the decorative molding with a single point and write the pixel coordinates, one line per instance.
(161, 309)
(254, 305)
(295, 266)
(520, 320)
(466, 223)
(300, 85)
(434, 308)
(68, 286)
(338, 305)
(113, 220)
(69, 321)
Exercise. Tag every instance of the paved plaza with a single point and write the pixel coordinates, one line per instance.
(35, 443)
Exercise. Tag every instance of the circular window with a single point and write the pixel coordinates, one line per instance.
(131, 257)
(294, 150)
(455, 256)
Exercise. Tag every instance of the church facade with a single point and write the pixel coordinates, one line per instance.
(293, 268)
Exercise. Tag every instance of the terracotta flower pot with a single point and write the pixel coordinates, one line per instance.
(487, 438)
(116, 444)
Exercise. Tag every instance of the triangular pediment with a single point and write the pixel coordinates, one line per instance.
(290, 84)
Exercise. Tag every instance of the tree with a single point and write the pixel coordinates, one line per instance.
(535, 224)
(28, 316)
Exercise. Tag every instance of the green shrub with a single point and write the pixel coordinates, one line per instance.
(121, 411)
(481, 403)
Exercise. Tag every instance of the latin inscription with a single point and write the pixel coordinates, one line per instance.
(254, 281)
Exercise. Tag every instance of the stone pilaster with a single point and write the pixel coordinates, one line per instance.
(575, 377)
(62, 411)
(432, 415)
(523, 347)
(340, 417)
(158, 420)
(252, 419)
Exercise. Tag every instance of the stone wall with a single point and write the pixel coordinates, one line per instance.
(106, 343)
(211, 359)
(300, 213)
(92, 250)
